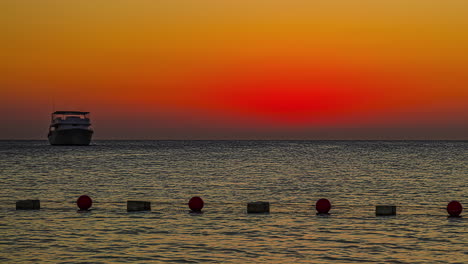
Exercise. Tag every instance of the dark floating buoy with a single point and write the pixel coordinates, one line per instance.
(323, 206)
(134, 206)
(454, 208)
(84, 202)
(258, 208)
(196, 204)
(385, 210)
(28, 205)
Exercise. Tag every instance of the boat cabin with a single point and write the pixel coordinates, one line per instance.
(70, 117)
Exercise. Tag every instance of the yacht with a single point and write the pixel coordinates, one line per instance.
(70, 128)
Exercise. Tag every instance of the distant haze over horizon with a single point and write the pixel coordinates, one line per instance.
(206, 69)
(139, 130)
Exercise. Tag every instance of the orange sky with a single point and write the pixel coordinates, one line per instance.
(206, 69)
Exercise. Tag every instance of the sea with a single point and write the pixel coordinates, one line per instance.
(418, 177)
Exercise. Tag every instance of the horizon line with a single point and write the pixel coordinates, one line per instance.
(254, 139)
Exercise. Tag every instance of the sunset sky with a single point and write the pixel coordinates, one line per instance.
(245, 69)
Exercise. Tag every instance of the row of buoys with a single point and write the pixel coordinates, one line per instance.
(323, 206)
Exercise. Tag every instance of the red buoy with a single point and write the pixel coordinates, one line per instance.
(454, 208)
(196, 204)
(84, 202)
(323, 206)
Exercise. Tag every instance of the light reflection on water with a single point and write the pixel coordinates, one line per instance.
(419, 177)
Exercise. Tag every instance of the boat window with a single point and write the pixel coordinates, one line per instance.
(73, 117)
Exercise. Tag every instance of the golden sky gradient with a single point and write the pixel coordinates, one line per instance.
(237, 69)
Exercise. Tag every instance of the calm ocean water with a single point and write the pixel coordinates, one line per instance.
(420, 177)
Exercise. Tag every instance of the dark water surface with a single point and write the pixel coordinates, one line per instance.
(420, 177)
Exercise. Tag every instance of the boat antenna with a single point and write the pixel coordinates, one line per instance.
(53, 103)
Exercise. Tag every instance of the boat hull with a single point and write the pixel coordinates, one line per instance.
(77, 137)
